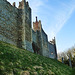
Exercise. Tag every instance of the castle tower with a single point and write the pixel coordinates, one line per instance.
(26, 28)
(42, 39)
(37, 25)
(37, 28)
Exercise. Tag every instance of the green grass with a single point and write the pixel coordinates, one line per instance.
(16, 61)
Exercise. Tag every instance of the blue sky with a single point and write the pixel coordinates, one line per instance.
(58, 19)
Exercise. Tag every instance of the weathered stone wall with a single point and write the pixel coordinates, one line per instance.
(52, 53)
(45, 49)
(41, 39)
(8, 22)
(34, 36)
(39, 42)
(27, 28)
(15, 24)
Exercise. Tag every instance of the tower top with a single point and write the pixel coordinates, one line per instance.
(22, 4)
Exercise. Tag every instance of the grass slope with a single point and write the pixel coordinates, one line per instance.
(16, 61)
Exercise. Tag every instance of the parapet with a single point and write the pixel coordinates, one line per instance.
(7, 2)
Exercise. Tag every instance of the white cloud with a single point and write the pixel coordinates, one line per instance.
(60, 19)
(63, 18)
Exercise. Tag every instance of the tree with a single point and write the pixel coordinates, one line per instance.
(70, 52)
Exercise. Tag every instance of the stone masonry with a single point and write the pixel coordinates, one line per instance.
(16, 29)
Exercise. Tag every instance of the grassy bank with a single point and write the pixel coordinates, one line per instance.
(16, 61)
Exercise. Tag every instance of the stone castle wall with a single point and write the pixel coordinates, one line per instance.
(41, 39)
(15, 24)
(34, 35)
(44, 43)
(8, 22)
(52, 53)
(16, 29)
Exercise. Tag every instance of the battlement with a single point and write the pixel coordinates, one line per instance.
(12, 5)
(22, 4)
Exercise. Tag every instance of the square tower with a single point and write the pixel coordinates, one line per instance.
(26, 28)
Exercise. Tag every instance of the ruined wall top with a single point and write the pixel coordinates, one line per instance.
(53, 41)
(5, 1)
(22, 4)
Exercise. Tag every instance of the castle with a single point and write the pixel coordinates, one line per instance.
(16, 29)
